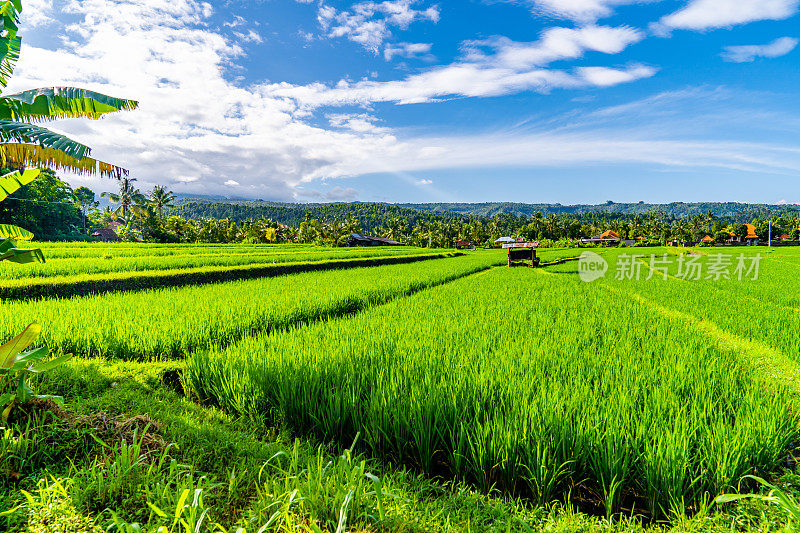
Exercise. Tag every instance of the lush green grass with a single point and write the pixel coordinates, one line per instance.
(72, 479)
(168, 323)
(519, 380)
(111, 259)
(766, 310)
(82, 284)
(478, 394)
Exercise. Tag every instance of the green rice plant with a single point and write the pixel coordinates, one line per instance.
(140, 259)
(135, 325)
(775, 496)
(76, 285)
(519, 381)
(337, 495)
(49, 508)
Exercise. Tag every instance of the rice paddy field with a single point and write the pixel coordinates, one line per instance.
(646, 392)
(119, 258)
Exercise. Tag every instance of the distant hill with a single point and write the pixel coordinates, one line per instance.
(675, 209)
(370, 215)
(374, 215)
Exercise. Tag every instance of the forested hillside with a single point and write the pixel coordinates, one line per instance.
(731, 210)
(372, 216)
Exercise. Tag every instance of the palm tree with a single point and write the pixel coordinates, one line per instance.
(129, 197)
(160, 198)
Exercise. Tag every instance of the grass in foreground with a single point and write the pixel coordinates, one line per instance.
(158, 455)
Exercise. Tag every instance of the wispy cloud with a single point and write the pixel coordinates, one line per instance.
(554, 44)
(583, 11)
(369, 23)
(708, 14)
(206, 134)
(408, 50)
(491, 67)
(195, 128)
(38, 12)
(747, 53)
(358, 122)
(336, 194)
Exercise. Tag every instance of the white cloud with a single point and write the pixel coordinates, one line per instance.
(781, 202)
(198, 130)
(251, 36)
(237, 22)
(594, 148)
(708, 14)
(554, 44)
(407, 50)
(510, 67)
(578, 10)
(358, 122)
(607, 77)
(38, 12)
(745, 54)
(192, 121)
(341, 194)
(687, 131)
(424, 182)
(369, 23)
(462, 79)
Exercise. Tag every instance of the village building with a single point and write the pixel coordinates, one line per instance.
(356, 239)
(607, 236)
(106, 235)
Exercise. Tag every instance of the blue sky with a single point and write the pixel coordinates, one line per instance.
(568, 101)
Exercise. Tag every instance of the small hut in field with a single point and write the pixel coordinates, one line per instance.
(106, 235)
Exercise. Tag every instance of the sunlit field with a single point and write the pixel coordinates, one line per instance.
(646, 392)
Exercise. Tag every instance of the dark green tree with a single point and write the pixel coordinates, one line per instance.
(46, 207)
(85, 198)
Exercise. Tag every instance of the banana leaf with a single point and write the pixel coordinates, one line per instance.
(14, 155)
(8, 231)
(10, 350)
(17, 255)
(22, 132)
(51, 103)
(11, 182)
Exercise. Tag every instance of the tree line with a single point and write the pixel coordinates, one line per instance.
(54, 211)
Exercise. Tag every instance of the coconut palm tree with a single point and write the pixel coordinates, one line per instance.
(160, 198)
(129, 198)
